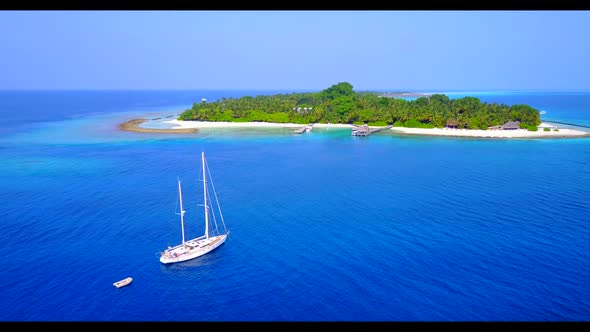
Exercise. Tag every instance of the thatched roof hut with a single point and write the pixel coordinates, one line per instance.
(511, 125)
(452, 123)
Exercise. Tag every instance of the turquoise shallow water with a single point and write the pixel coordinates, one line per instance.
(324, 226)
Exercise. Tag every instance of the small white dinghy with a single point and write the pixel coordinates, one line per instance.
(122, 283)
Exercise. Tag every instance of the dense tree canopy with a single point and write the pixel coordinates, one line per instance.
(341, 104)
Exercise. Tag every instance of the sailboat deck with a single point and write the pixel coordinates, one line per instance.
(193, 244)
(192, 249)
(202, 243)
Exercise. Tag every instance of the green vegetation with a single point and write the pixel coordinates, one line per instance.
(532, 128)
(340, 104)
(546, 129)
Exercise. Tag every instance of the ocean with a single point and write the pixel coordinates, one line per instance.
(324, 226)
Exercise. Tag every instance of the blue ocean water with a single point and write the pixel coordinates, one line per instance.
(324, 226)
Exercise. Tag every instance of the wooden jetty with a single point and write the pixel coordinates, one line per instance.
(300, 130)
(305, 129)
(364, 130)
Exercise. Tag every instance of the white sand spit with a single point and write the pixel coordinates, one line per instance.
(518, 133)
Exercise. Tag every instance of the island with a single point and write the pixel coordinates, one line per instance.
(403, 112)
(341, 104)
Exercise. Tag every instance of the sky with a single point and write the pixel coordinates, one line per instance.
(295, 50)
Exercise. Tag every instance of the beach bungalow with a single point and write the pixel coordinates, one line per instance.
(452, 123)
(305, 109)
(511, 125)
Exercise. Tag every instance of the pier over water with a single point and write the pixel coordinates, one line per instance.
(364, 130)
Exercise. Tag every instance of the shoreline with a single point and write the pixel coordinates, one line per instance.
(133, 125)
(443, 132)
(478, 133)
(183, 127)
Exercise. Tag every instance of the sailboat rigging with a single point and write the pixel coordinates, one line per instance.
(213, 237)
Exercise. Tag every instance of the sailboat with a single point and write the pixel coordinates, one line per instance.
(213, 237)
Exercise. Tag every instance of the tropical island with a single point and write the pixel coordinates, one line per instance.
(340, 105)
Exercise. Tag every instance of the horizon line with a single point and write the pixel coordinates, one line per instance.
(425, 90)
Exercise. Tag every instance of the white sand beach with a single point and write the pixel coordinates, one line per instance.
(518, 133)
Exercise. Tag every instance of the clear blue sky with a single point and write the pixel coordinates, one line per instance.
(294, 50)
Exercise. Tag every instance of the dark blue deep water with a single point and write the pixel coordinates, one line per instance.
(324, 226)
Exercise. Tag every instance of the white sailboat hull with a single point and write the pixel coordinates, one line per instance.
(192, 249)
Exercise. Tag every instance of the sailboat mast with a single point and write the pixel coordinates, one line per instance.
(205, 196)
(181, 211)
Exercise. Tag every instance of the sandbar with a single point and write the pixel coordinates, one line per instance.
(517, 133)
(133, 125)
